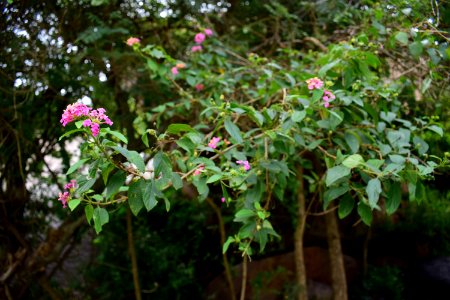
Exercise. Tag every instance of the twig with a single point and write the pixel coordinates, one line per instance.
(324, 212)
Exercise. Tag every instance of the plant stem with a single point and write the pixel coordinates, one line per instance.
(132, 252)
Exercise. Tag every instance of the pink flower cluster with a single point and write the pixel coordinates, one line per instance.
(132, 40)
(244, 163)
(65, 197)
(314, 83)
(94, 118)
(327, 97)
(200, 38)
(213, 142)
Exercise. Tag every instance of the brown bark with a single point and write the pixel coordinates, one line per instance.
(299, 231)
(132, 252)
(338, 278)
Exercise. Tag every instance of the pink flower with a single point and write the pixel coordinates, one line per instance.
(327, 97)
(199, 87)
(244, 163)
(71, 185)
(87, 123)
(64, 198)
(74, 111)
(199, 38)
(132, 40)
(213, 142)
(196, 48)
(199, 170)
(208, 32)
(95, 129)
(314, 83)
(174, 70)
(222, 199)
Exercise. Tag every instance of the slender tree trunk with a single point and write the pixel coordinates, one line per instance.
(224, 255)
(339, 281)
(132, 252)
(299, 231)
(244, 277)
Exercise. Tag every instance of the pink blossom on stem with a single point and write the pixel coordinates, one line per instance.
(208, 32)
(71, 185)
(199, 170)
(244, 163)
(327, 97)
(95, 129)
(213, 142)
(199, 87)
(64, 198)
(196, 48)
(174, 70)
(199, 38)
(132, 40)
(87, 123)
(314, 83)
(222, 199)
(73, 112)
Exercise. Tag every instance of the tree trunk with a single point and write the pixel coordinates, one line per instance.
(339, 281)
(299, 231)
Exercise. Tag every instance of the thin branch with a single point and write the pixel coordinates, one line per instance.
(244, 277)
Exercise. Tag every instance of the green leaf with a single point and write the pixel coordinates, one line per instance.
(334, 193)
(227, 244)
(163, 166)
(353, 161)
(345, 206)
(187, 144)
(415, 49)
(76, 165)
(86, 185)
(436, 129)
(74, 203)
(101, 217)
(117, 134)
(70, 132)
(176, 181)
(402, 37)
(135, 197)
(327, 67)
(177, 128)
(149, 196)
(243, 215)
(133, 157)
(233, 131)
(336, 173)
(352, 141)
(298, 116)
(394, 196)
(317, 94)
(214, 178)
(89, 212)
(373, 191)
(114, 183)
(365, 213)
